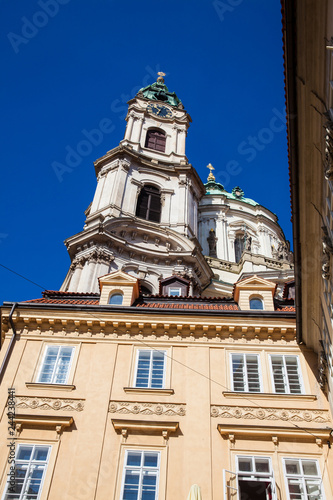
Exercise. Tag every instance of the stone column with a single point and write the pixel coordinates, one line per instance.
(75, 278)
(181, 142)
(137, 129)
(129, 127)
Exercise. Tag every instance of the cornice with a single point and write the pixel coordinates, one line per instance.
(144, 427)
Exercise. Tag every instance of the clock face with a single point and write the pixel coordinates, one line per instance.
(159, 110)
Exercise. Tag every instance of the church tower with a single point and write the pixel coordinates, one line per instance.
(144, 216)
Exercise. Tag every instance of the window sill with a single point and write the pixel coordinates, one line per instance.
(53, 387)
(142, 390)
(270, 395)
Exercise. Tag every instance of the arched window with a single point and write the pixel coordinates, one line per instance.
(116, 299)
(239, 247)
(256, 303)
(155, 139)
(149, 204)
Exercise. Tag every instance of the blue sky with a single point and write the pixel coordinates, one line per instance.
(70, 65)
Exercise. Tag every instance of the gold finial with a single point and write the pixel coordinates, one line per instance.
(210, 176)
(160, 76)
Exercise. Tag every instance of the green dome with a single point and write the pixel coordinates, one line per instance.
(237, 194)
(158, 91)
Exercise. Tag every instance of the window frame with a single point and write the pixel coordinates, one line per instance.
(246, 384)
(141, 469)
(149, 386)
(145, 189)
(30, 463)
(116, 293)
(302, 476)
(71, 369)
(175, 288)
(155, 133)
(257, 297)
(285, 374)
(254, 476)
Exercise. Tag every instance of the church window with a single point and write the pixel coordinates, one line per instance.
(150, 369)
(239, 247)
(149, 204)
(303, 478)
(141, 474)
(155, 139)
(56, 365)
(286, 374)
(245, 373)
(256, 303)
(30, 467)
(116, 299)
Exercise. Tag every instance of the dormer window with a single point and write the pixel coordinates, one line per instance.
(256, 303)
(156, 139)
(175, 291)
(149, 204)
(116, 299)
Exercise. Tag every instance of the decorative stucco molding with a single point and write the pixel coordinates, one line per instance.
(292, 415)
(37, 403)
(126, 407)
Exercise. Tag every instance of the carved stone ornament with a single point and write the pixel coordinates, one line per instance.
(255, 413)
(328, 162)
(37, 403)
(126, 407)
(322, 370)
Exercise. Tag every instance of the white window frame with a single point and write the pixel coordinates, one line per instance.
(141, 470)
(173, 288)
(60, 346)
(31, 464)
(303, 477)
(256, 476)
(246, 382)
(285, 374)
(149, 386)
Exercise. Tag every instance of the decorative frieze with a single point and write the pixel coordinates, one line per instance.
(255, 413)
(126, 407)
(37, 403)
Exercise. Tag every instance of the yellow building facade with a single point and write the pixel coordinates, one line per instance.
(139, 378)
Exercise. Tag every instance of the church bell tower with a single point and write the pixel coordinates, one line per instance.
(144, 216)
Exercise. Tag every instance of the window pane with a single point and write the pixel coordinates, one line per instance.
(134, 459)
(149, 485)
(292, 467)
(40, 453)
(24, 453)
(293, 376)
(116, 299)
(256, 304)
(245, 464)
(262, 465)
(150, 459)
(278, 374)
(309, 468)
(131, 485)
(253, 373)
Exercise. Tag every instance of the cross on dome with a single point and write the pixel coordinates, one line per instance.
(210, 176)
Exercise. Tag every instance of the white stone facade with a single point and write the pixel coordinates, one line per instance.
(115, 238)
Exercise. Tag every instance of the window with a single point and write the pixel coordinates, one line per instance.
(245, 373)
(116, 299)
(149, 204)
(56, 365)
(141, 471)
(303, 479)
(256, 303)
(255, 478)
(30, 466)
(155, 139)
(239, 247)
(150, 370)
(286, 374)
(175, 291)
